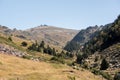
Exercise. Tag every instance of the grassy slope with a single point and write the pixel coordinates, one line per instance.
(12, 68)
(4, 40)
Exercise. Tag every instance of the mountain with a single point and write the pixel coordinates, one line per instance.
(97, 48)
(104, 45)
(82, 37)
(105, 38)
(17, 63)
(50, 34)
(85, 35)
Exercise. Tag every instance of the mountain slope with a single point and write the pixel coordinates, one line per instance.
(105, 38)
(15, 68)
(50, 34)
(105, 45)
(82, 37)
(12, 68)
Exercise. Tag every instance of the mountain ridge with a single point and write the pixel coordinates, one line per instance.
(84, 36)
(50, 34)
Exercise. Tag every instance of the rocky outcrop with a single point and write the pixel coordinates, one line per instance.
(5, 49)
(112, 54)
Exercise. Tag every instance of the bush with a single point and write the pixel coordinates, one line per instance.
(95, 71)
(104, 65)
(117, 76)
(79, 58)
(26, 57)
(24, 44)
(33, 47)
(85, 65)
(61, 60)
(104, 74)
(10, 39)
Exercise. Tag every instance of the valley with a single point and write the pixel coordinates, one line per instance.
(60, 40)
(17, 62)
(50, 53)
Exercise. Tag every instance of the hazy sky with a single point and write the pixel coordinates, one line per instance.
(74, 14)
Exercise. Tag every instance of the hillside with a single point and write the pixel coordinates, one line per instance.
(105, 45)
(105, 38)
(82, 37)
(98, 48)
(12, 68)
(50, 34)
(94, 47)
(18, 63)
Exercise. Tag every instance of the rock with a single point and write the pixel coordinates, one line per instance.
(5, 49)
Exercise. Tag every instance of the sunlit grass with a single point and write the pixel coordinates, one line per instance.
(23, 69)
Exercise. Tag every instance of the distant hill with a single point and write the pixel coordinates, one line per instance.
(50, 34)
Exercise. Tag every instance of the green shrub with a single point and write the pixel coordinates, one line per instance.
(104, 74)
(24, 44)
(79, 58)
(26, 57)
(85, 65)
(117, 76)
(104, 65)
(61, 60)
(95, 71)
(10, 39)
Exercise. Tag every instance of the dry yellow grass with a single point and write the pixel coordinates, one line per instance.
(14, 68)
(18, 41)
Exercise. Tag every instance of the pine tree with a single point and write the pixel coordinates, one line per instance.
(33, 47)
(104, 64)
(39, 49)
(54, 52)
(42, 44)
(79, 58)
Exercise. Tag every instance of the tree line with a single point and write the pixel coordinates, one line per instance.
(41, 47)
